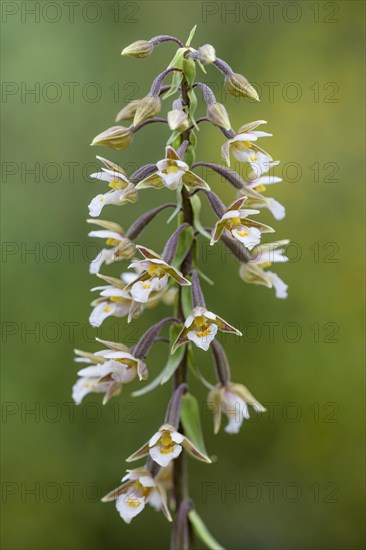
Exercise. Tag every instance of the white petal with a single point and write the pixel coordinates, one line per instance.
(154, 499)
(141, 290)
(92, 372)
(251, 239)
(267, 180)
(129, 505)
(171, 179)
(163, 459)
(278, 284)
(203, 342)
(155, 438)
(104, 256)
(276, 208)
(176, 437)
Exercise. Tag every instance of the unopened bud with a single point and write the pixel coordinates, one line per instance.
(217, 114)
(206, 54)
(237, 85)
(147, 107)
(140, 48)
(178, 120)
(117, 137)
(128, 112)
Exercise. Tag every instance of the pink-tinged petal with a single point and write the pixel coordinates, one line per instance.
(181, 339)
(217, 231)
(225, 327)
(140, 453)
(251, 126)
(178, 276)
(225, 152)
(192, 449)
(164, 503)
(141, 278)
(114, 389)
(170, 153)
(154, 181)
(214, 401)
(112, 495)
(191, 180)
(147, 253)
(237, 204)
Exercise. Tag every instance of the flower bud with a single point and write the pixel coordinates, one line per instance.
(147, 107)
(206, 54)
(140, 49)
(128, 112)
(217, 114)
(237, 85)
(117, 137)
(178, 120)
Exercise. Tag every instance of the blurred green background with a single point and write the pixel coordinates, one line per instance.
(297, 472)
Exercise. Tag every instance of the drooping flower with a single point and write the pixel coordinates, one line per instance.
(260, 201)
(235, 222)
(166, 445)
(122, 192)
(244, 149)
(121, 247)
(254, 271)
(233, 400)
(201, 328)
(107, 371)
(172, 173)
(138, 488)
(155, 276)
(114, 301)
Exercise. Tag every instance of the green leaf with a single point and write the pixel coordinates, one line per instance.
(177, 61)
(202, 532)
(196, 207)
(190, 37)
(186, 300)
(201, 66)
(190, 417)
(177, 208)
(184, 244)
(149, 387)
(174, 359)
(176, 80)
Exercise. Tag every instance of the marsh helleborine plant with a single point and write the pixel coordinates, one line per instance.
(172, 276)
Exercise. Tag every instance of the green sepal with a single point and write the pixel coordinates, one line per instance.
(196, 207)
(190, 155)
(190, 417)
(202, 532)
(184, 244)
(190, 37)
(174, 136)
(174, 359)
(189, 69)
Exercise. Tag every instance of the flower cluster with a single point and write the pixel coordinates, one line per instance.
(172, 275)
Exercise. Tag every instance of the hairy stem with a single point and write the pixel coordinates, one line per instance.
(180, 479)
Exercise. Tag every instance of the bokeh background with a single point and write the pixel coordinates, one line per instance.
(294, 477)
